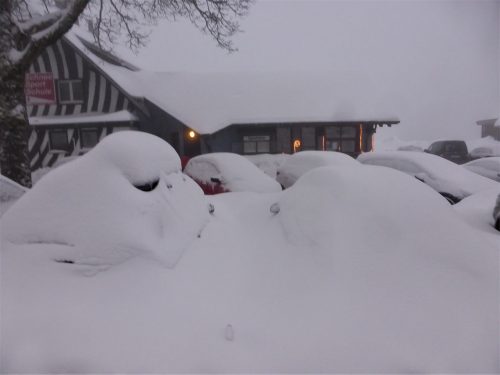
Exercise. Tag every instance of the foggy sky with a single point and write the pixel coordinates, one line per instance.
(436, 63)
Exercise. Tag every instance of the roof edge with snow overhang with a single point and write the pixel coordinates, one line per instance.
(87, 118)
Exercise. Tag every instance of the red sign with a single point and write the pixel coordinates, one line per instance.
(39, 88)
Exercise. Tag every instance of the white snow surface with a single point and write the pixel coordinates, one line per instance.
(91, 206)
(235, 172)
(477, 210)
(10, 191)
(304, 161)
(268, 163)
(342, 279)
(487, 167)
(441, 174)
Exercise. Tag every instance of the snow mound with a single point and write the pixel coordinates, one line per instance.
(234, 171)
(441, 174)
(302, 162)
(10, 191)
(127, 196)
(477, 210)
(486, 146)
(408, 278)
(268, 163)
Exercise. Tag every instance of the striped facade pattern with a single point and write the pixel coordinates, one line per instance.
(101, 96)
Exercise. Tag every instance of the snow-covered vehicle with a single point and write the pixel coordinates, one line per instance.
(487, 167)
(450, 180)
(477, 210)
(304, 161)
(130, 183)
(455, 151)
(221, 172)
(482, 152)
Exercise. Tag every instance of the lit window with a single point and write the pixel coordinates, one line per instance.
(70, 91)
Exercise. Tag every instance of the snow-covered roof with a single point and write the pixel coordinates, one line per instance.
(208, 102)
(84, 118)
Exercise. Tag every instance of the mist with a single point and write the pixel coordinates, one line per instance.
(433, 64)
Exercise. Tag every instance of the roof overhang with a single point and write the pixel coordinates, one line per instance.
(489, 122)
(87, 118)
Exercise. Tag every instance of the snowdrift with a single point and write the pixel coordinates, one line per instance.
(94, 204)
(344, 274)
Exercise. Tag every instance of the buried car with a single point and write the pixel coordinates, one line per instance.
(96, 205)
(449, 179)
(221, 172)
(304, 161)
(488, 167)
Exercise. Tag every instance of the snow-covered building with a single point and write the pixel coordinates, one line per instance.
(77, 93)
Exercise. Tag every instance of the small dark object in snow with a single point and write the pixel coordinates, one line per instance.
(149, 186)
(229, 333)
(169, 186)
(67, 261)
(275, 208)
(211, 208)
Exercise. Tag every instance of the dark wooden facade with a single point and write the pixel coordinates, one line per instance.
(350, 137)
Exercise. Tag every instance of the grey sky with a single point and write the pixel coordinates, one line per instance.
(436, 63)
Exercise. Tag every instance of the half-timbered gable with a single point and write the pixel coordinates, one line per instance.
(73, 103)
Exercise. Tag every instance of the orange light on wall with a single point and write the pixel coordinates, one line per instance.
(360, 138)
(191, 134)
(296, 145)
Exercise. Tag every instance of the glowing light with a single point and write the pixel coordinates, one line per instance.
(191, 134)
(296, 145)
(360, 138)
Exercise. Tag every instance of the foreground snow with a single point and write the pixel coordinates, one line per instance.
(337, 277)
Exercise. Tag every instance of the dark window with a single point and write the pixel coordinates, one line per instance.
(89, 138)
(256, 144)
(70, 91)
(341, 138)
(59, 140)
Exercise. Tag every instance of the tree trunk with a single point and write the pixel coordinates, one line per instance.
(14, 130)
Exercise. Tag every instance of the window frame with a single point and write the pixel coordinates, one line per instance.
(88, 130)
(51, 140)
(70, 83)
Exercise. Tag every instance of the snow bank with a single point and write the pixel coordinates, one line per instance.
(10, 191)
(234, 171)
(394, 289)
(349, 276)
(93, 204)
(488, 167)
(486, 146)
(439, 173)
(301, 162)
(477, 210)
